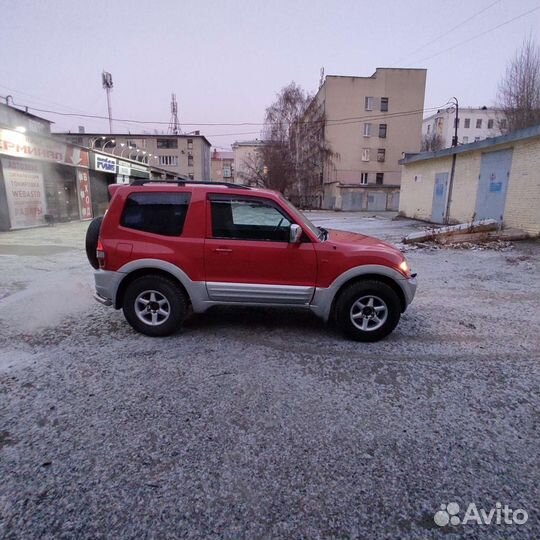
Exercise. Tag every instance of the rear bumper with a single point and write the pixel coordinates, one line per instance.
(102, 300)
(107, 284)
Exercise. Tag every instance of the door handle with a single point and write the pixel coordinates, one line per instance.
(222, 250)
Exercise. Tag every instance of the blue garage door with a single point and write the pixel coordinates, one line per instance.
(493, 184)
(440, 191)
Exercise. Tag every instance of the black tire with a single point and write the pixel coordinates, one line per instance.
(140, 291)
(363, 302)
(92, 236)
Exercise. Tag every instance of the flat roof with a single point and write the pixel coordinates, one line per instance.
(132, 135)
(451, 109)
(520, 135)
(26, 113)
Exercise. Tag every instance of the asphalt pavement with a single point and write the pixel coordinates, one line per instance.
(252, 423)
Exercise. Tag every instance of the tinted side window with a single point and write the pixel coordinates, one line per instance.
(158, 213)
(248, 219)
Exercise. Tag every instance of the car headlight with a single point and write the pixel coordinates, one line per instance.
(404, 267)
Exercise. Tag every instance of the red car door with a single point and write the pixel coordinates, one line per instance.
(248, 256)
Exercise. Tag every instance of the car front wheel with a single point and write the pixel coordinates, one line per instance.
(154, 305)
(368, 310)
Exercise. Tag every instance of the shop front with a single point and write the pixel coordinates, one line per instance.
(102, 175)
(42, 181)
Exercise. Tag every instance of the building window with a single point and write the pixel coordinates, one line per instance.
(382, 131)
(369, 103)
(367, 130)
(227, 171)
(490, 123)
(364, 178)
(479, 123)
(136, 143)
(190, 160)
(502, 123)
(168, 160)
(384, 104)
(379, 179)
(476, 139)
(167, 143)
(190, 144)
(467, 123)
(365, 154)
(428, 128)
(456, 122)
(465, 140)
(381, 155)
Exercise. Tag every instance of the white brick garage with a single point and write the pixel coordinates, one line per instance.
(497, 178)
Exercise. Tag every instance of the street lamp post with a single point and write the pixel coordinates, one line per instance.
(113, 141)
(121, 146)
(94, 140)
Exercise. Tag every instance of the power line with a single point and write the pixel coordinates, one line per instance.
(481, 34)
(448, 31)
(337, 121)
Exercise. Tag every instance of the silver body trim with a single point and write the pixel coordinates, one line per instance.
(205, 295)
(256, 293)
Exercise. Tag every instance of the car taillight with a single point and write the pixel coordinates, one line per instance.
(100, 254)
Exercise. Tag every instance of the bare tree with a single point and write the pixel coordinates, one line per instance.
(292, 157)
(519, 90)
(432, 142)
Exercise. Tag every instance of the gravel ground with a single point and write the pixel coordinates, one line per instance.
(266, 424)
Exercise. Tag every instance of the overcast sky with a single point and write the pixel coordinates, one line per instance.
(226, 60)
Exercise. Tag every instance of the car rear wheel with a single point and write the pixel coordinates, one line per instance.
(92, 236)
(154, 305)
(368, 310)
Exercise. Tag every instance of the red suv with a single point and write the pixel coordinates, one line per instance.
(163, 247)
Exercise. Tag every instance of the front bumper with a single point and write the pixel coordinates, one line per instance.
(408, 286)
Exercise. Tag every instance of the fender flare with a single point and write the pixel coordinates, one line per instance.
(324, 297)
(196, 290)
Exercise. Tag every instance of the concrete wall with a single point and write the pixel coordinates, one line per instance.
(417, 184)
(246, 157)
(522, 209)
(523, 197)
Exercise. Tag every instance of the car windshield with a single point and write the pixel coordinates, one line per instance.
(299, 216)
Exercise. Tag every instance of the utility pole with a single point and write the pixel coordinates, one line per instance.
(174, 123)
(456, 123)
(453, 168)
(106, 79)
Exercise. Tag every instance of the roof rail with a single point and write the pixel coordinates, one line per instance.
(182, 182)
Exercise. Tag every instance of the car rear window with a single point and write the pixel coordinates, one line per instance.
(158, 213)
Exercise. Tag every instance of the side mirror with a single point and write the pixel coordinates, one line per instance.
(295, 233)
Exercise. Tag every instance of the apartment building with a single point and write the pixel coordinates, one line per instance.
(369, 122)
(182, 155)
(222, 166)
(474, 124)
(247, 161)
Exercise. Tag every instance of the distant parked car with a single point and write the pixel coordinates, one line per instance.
(165, 246)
